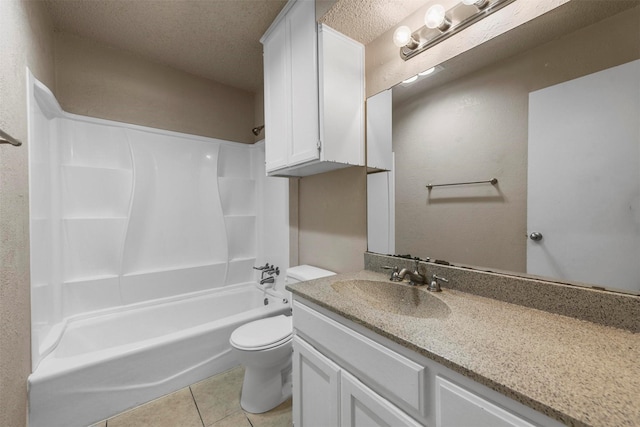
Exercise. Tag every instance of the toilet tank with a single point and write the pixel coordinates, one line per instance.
(303, 273)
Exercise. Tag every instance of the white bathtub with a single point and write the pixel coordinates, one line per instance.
(106, 364)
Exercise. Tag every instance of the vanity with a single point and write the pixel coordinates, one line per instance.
(368, 351)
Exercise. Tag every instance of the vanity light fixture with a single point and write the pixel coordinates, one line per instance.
(427, 72)
(436, 17)
(402, 37)
(480, 4)
(421, 75)
(410, 80)
(440, 24)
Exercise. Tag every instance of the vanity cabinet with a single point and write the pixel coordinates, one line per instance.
(313, 95)
(346, 375)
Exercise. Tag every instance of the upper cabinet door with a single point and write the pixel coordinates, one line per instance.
(379, 131)
(301, 20)
(276, 98)
(341, 85)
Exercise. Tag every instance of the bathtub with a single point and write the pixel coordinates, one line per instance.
(107, 363)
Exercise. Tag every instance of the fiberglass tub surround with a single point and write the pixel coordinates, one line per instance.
(124, 218)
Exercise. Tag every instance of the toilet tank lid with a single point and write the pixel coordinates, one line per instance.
(307, 272)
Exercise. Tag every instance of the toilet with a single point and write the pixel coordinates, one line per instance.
(264, 348)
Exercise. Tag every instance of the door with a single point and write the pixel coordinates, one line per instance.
(316, 387)
(303, 40)
(362, 407)
(277, 93)
(589, 220)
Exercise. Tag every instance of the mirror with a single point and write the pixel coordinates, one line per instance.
(477, 126)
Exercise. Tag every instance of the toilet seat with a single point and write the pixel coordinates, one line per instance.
(263, 334)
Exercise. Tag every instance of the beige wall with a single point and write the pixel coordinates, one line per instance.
(477, 128)
(332, 220)
(95, 80)
(385, 68)
(27, 40)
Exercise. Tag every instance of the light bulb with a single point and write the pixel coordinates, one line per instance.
(402, 36)
(427, 72)
(410, 80)
(436, 17)
(478, 3)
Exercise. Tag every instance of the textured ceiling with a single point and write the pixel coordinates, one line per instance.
(215, 39)
(365, 20)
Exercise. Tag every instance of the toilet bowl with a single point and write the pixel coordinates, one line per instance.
(264, 348)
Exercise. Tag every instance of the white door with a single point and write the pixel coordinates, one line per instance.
(303, 42)
(362, 407)
(584, 179)
(316, 388)
(277, 93)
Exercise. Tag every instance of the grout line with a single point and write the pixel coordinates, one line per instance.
(247, 417)
(196, 403)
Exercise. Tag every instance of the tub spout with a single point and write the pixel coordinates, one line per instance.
(269, 279)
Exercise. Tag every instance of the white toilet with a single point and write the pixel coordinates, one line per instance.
(264, 348)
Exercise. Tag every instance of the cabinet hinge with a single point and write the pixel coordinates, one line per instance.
(319, 145)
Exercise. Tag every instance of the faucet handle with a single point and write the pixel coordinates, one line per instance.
(434, 286)
(394, 273)
(264, 267)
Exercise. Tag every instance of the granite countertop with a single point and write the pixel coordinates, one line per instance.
(575, 371)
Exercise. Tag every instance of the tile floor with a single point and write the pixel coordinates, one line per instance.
(214, 402)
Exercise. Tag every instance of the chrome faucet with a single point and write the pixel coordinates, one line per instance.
(415, 277)
(434, 286)
(270, 271)
(269, 279)
(394, 273)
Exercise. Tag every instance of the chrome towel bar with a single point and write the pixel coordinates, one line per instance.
(5, 138)
(492, 181)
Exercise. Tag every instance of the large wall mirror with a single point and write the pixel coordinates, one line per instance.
(491, 123)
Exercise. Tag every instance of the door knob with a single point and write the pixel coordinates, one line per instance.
(535, 236)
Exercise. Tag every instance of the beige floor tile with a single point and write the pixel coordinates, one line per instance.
(176, 409)
(238, 419)
(279, 416)
(219, 396)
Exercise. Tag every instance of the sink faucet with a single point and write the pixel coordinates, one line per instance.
(434, 286)
(415, 278)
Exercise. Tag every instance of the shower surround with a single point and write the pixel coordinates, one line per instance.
(124, 216)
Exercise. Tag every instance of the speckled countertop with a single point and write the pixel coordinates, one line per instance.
(575, 371)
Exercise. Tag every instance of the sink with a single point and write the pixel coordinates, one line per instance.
(394, 298)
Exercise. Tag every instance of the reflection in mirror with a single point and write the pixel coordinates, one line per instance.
(478, 126)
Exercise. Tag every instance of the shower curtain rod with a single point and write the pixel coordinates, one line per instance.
(5, 138)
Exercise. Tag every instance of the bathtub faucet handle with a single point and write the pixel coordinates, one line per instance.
(264, 267)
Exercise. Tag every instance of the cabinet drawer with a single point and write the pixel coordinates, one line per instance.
(458, 406)
(395, 377)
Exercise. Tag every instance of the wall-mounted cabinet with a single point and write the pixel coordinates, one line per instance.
(379, 132)
(314, 95)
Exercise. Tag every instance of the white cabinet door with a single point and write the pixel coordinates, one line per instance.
(316, 387)
(459, 407)
(276, 98)
(303, 39)
(341, 87)
(379, 131)
(362, 407)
